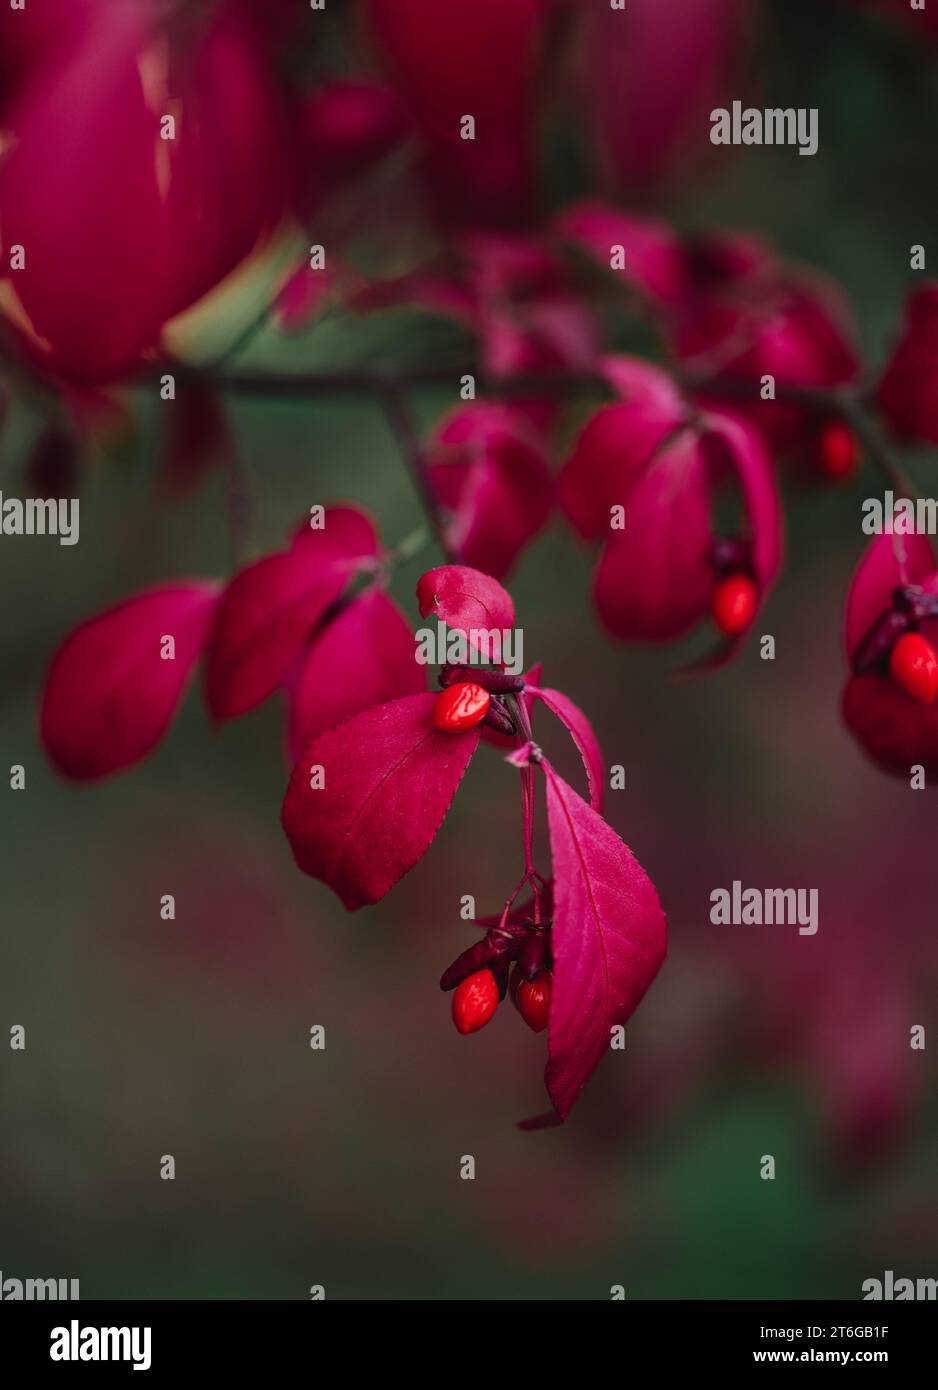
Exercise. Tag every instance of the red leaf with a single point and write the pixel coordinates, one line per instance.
(466, 600)
(654, 578)
(608, 939)
(581, 731)
(731, 442)
(653, 256)
(82, 168)
(494, 481)
(110, 693)
(618, 442)
(365, 656)
(388, 779)
(270, 608)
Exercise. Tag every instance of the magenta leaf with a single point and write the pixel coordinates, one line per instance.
(467, 600)
(388, 778)
(654, 577)
(113, 688)
(733, 442)
(608, 939)
(581, 731)
(84, 149)
(494, 481)
(365, 656)
(271, 607)
(617, 443)
(652, 254)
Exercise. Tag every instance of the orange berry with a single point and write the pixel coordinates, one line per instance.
(913, 664)
(733, 603)
(460, 707)
(475, 1001)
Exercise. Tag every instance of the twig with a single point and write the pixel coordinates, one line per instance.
(398, 416)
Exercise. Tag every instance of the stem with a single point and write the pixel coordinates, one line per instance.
(402, 426)
(871, 436)
(240, 509)
(378, 381)
(412, 544)
(388, 387)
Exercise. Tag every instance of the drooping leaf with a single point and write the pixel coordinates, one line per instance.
(583, 735)
(112, 688)
(388, 777)
(466, 600)
(365, 656)
(272, 606)
(608, 939)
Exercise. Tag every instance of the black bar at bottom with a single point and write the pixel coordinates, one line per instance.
(164, 1339)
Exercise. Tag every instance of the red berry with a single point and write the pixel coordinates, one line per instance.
(461, 706)
(733, 603)
(913, 664)
(837, 450)
(475, 1001)
(532, 998)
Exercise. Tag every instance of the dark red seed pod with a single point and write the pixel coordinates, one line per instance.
(474, 958)
(499, 719)
(731, 555)
(501, 969)
(533, 956)
(494, 946)
(495, 682)
(879, 641)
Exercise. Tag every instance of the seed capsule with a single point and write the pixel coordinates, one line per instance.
(460, 707)
(532, 999)
(475, 1001)
(913, 665)
(733, 604)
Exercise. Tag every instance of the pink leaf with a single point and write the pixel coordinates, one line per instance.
(617, 443)
(581, 731)
(609, 939)
(466, 600)
(388, 779)
(652, 252)
(81, 165)
(271, 607)
(654, 578)
(494, 480)
(365, 656)
(448, 60)
(732, 441)
(111, 693)
(652, 73)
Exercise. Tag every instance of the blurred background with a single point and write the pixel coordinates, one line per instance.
(191, 1037)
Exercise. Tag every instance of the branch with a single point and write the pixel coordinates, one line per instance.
(399, 418)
